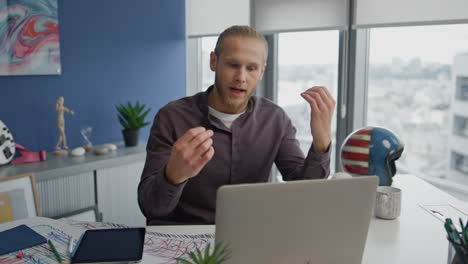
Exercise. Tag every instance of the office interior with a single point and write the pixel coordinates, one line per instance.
(401, 65)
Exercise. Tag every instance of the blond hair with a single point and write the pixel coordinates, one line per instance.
(240, 31)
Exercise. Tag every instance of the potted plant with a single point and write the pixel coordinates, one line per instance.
(220, 254)
(132, 118)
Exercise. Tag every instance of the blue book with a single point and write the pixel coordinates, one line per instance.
(18, 238)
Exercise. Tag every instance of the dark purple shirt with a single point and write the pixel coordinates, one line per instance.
(263, 135)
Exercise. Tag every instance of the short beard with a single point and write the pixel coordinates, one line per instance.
(230, 107)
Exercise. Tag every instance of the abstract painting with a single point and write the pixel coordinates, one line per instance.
(29, 37)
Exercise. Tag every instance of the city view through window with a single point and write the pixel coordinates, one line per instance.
(411, 88)
(207, 46)
(306, 59)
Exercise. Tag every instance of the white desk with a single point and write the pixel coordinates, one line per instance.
(415, 237)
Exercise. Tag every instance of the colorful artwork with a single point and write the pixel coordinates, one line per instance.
(29, 37)
(159, 247)
(167, 247)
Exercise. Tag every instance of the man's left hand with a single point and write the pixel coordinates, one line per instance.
(322, 106)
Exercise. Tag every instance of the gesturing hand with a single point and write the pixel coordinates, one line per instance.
(190, 154)
(322, 105)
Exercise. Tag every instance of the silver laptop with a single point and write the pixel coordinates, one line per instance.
(312, 221)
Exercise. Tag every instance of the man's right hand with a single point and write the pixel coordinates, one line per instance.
(189, 155)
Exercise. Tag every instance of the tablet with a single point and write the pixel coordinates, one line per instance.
(124, 245)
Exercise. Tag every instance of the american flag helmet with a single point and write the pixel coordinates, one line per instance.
(371, 151)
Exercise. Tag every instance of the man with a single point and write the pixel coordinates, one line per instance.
(227, 136)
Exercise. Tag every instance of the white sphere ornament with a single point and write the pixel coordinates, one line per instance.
(110, 147)
(79, 151)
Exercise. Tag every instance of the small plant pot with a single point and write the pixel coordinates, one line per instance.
(131, 137)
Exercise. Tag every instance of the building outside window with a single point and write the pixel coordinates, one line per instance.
(416, 87)
(306, 59)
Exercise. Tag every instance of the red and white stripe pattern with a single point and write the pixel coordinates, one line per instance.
(355, 152)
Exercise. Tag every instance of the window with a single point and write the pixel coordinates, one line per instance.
(417, 87)
(461, 87)
(207, 46)
(306, 59)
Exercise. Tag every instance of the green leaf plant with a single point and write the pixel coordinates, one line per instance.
(132, 117)
(219, 255)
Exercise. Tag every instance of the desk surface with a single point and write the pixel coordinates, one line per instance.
(415, 237)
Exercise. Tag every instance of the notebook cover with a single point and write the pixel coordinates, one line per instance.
(18, 238)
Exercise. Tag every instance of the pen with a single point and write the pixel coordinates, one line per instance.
(59, 259)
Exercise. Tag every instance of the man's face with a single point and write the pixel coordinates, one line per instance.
(238, 69)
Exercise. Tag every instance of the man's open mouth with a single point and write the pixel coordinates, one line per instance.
(237, 91)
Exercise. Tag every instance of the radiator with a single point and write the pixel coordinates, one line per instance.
(117, 194)
(63, 195)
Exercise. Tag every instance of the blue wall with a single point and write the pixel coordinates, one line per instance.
(111, 51)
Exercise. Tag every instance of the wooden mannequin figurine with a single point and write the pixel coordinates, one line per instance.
(61, 122)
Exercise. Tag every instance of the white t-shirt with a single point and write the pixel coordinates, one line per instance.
(227, 119)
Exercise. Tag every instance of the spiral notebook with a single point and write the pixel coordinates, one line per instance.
(18, 238)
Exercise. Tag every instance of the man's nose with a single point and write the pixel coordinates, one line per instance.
(241, 75)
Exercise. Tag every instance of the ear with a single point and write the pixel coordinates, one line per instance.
(213, 61)
(263, 72)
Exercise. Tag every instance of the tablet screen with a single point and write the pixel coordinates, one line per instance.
(107, 245)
